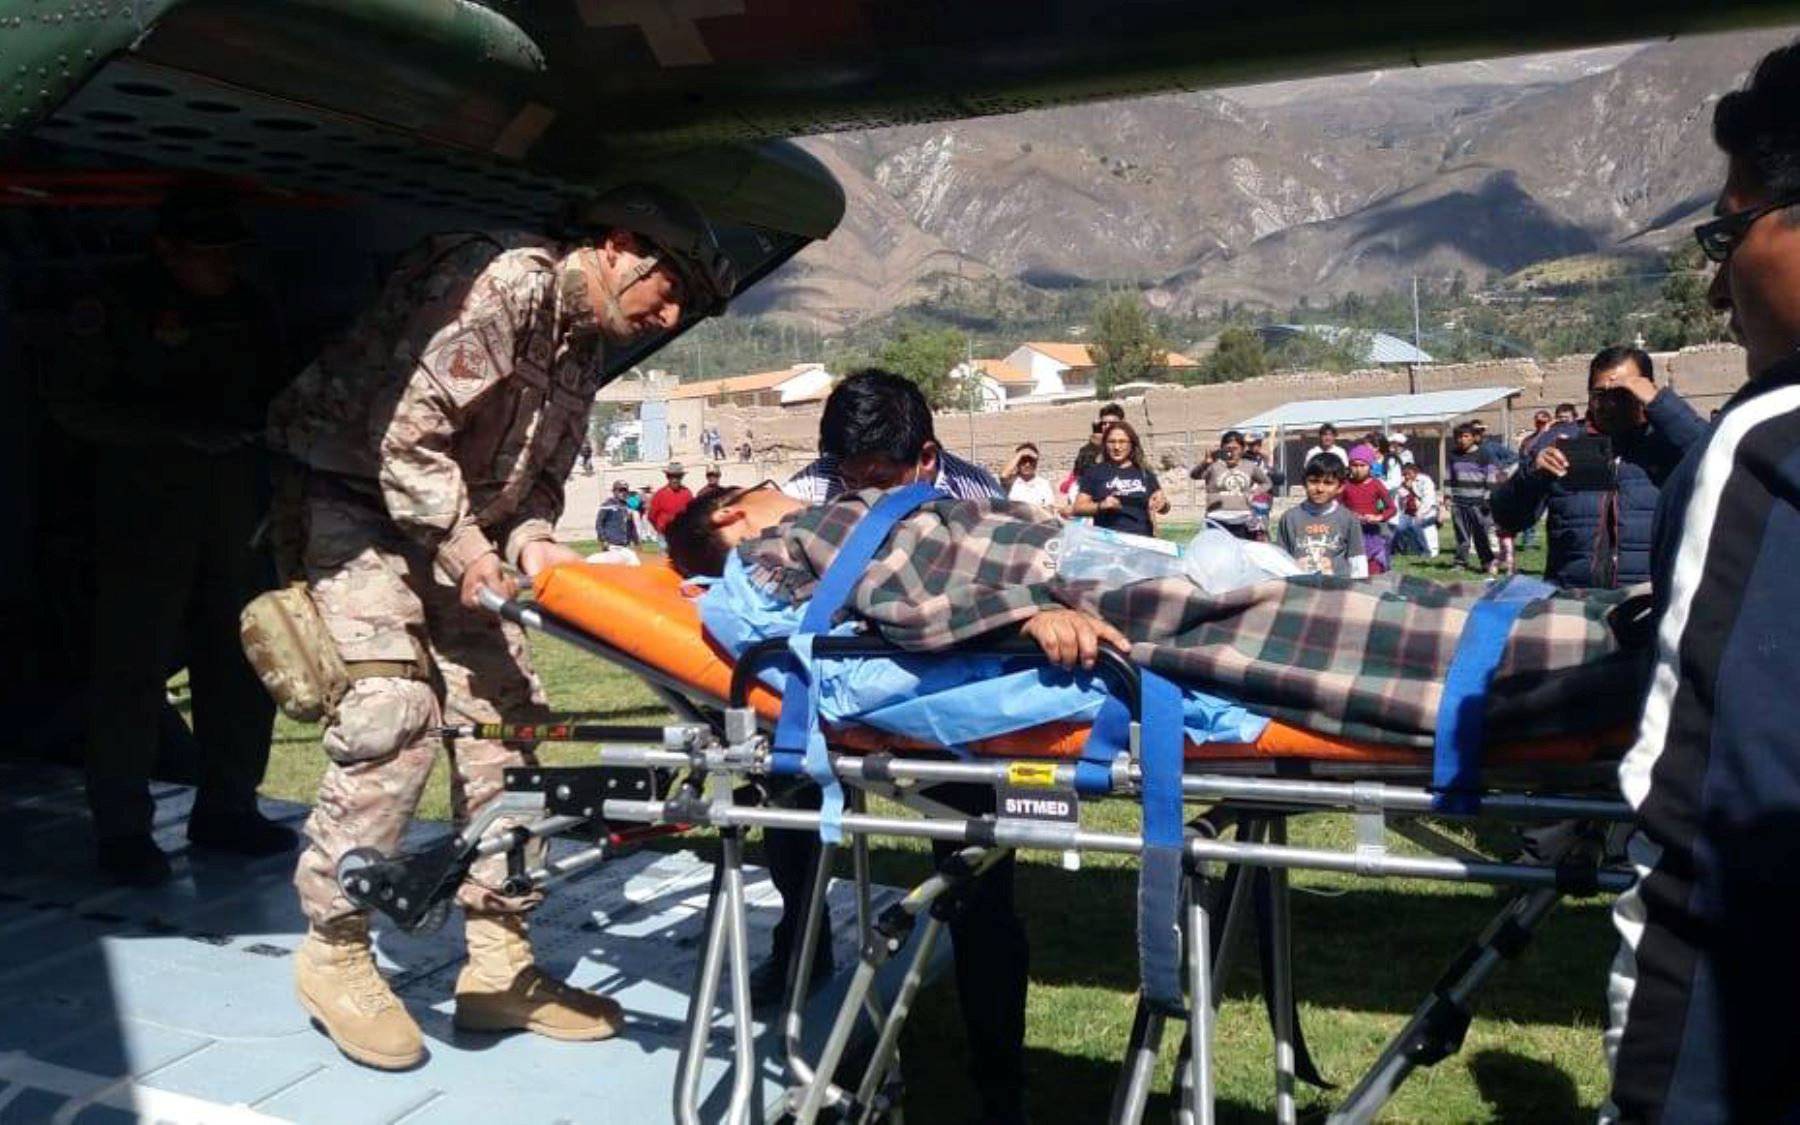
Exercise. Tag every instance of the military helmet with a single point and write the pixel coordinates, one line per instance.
(676, 228)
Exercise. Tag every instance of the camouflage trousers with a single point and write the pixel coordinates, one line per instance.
(383, 599)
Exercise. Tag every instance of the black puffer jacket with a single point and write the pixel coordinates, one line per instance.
(1602, 539)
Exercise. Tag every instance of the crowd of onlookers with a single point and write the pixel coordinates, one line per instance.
(1593, 477)
(631, 518)
(1590, 474)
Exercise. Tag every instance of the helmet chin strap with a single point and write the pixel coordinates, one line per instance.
(610, 307)
(646, 265)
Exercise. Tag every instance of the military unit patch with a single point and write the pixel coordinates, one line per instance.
(467, 362)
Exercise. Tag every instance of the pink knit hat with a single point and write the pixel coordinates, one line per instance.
(1364, 453)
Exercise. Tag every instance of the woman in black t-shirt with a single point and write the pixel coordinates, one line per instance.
(1118, 491)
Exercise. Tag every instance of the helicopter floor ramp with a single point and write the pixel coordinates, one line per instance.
(176, 1004)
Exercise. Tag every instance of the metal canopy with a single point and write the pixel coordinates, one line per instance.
(1435, 407)
(1382, 348)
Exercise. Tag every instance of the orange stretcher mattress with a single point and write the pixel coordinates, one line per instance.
(642, 611)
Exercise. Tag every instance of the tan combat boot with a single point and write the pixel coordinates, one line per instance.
(501, 989)
(338, 984)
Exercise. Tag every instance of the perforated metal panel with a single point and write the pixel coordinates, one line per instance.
(145, 114)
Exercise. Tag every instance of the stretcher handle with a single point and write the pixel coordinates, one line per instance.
(1112, 666)
(511, 609)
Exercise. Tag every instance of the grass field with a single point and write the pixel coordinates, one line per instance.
(1366, 953)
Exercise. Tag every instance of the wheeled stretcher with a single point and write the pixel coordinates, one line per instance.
(1231, 857)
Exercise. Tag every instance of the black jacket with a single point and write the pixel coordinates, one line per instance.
(1602, 539)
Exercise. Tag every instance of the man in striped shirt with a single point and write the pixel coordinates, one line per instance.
(1706, 974)
(876, 432)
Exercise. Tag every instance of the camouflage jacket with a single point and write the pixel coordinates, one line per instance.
(460, 399)
(1355, 658)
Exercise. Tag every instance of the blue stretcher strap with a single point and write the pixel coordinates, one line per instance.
(1162, 733)
(1108, 738)
(803, 685)
(1160, 743)
(1462, 712)
(797, 730)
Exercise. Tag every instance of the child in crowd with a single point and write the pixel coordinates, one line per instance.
(1417, 525)
(1395, 457)
(1506, 462)
(1323, 536)
(1468, 483)
(1366, 496)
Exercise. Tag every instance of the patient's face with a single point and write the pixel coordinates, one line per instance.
(753, 511)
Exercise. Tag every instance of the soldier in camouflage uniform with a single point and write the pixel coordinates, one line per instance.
(436, 435)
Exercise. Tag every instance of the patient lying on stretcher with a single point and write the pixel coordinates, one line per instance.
(1361, 659)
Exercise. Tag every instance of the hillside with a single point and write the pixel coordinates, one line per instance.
(1266, 194)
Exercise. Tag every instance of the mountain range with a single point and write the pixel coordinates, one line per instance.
(1266, 194)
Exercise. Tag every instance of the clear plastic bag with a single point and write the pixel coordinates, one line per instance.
(1114, 558)
(1218, 561)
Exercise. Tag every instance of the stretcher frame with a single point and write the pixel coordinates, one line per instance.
(717, 745)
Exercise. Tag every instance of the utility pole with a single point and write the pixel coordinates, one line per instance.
(971, 389)
(1415, 279)
(1412, 377)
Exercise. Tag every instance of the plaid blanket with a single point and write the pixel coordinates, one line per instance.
(1356, 658)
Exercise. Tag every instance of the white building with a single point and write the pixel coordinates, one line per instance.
(1000, 384)
(1041, 372)
(799, 385)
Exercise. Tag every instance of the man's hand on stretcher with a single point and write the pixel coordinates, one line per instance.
(489, 571)
(1068, 636)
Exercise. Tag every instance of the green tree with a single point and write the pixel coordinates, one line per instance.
(1239, 355)
(1124, 344)
(1342, 351)
(927, 356)
(1683, 314)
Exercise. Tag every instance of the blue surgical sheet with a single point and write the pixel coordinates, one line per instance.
(950, 699)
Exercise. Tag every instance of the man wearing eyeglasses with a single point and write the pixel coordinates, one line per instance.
(876, 432)
(1708, 929)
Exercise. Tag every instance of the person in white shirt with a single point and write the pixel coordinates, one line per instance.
(1417, 526)
(1024, 485)
(1328, 445)
(1397, 457)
